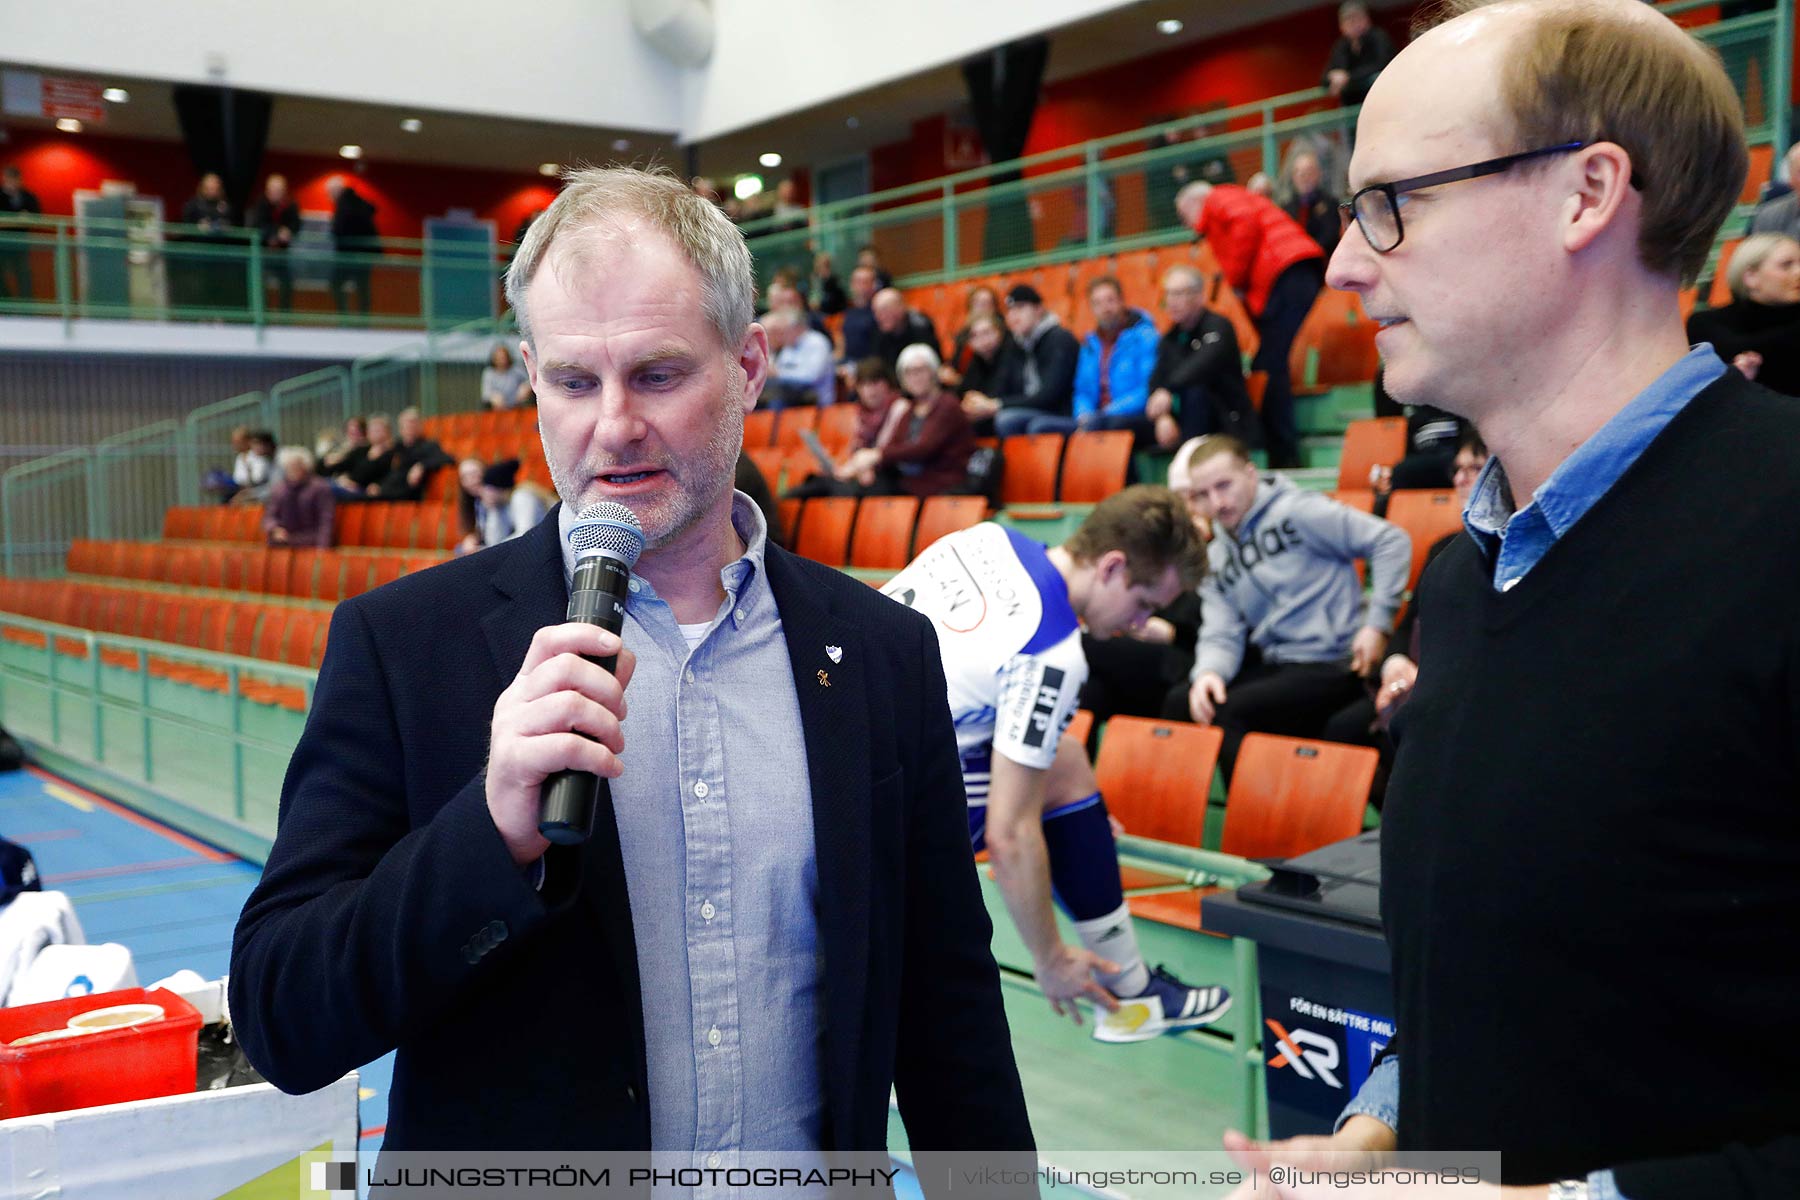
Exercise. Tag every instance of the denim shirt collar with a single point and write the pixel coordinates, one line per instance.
(1590, 472)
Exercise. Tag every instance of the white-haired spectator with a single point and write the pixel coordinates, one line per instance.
(1759, 331)
(928, 455)
(805, 366)
(300, 505)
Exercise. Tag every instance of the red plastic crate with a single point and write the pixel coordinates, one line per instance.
(134, 1062)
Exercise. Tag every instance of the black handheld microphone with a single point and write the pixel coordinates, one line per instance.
(607, 540)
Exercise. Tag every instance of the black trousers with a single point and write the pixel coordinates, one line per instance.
(1130, 678)
(1289, 301)
(1293, 699)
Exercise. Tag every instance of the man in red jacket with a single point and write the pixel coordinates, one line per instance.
(1278, 270)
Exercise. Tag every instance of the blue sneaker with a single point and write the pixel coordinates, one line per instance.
(1166, 1006)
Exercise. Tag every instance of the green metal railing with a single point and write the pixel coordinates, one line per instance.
(1117, 193)
(121, 487)
(123, 269)
(208, 762)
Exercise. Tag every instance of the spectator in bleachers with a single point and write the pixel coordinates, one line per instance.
(276, 219)
(332, 449)
(899, 325)
(1759, 331)
(870, 257)
(19, 203)
(784, 292)
(1197, 386)
(1048, 355)
(1778, 208)
(803, 368)
(206, 281)
(300, 505)
(1358, 56)
(1131, 674)
(1310, 202)
(928, 453)
(882, 409)
(223, 483)
(360, 473)
(859, 317)
(1366, 723)
(1285, 636)
(354, 239)
(788, 210)
(825, 292)
(504, 381)
(1112, 372)
(495, 506)
(415, 458)
(254, 470)
(981, 301)
(1279, 271)
(994, 362)
(1432, 436)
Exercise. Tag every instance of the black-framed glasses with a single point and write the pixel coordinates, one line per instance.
(1376, 208)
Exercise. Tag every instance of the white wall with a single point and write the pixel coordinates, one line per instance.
(773, 58)
(573, 61)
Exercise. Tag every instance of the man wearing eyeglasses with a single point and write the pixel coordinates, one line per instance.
(1591, 844)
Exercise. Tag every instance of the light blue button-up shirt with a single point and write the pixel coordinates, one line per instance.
(1515, 541)
(714, 812)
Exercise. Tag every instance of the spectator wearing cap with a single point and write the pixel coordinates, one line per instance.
(1046, 376)
(1279, 271)
(898, 325)
(300, 506)
(805, 372)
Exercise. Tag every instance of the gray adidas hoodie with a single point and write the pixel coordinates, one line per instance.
(1287, 580)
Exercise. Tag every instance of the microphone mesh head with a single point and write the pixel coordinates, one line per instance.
(607, 528)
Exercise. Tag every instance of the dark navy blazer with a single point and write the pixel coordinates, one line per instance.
(390, 914)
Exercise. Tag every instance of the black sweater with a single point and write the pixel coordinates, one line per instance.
(1771, 330)
(1591, 845)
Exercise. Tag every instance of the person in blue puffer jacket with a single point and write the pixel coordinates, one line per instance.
(1112, 376)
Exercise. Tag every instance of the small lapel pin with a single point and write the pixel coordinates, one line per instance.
(835, 653)
(824, 679)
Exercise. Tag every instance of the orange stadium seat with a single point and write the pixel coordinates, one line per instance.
(759, 428)
(1031, 463)
(768, 462)
(1290, 795)
(837, 427)
(1426, 516)
(884, 532)
(1095, 465)
(1376, 441)
(941, 515)
(790, 423)
(825, 523)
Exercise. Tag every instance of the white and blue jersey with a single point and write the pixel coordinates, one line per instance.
(1011, 645)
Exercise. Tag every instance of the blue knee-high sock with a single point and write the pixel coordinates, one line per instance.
(1084, 870)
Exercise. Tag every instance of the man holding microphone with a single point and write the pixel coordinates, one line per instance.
(775, 919)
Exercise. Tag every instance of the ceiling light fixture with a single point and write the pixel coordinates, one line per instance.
(115, 95)
(851, 122)
(770, 160)
(549, 168)
(621, 145)
(349, 151)
(747, 186)
(1169, 27)
(412, 125)
(69, 125)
